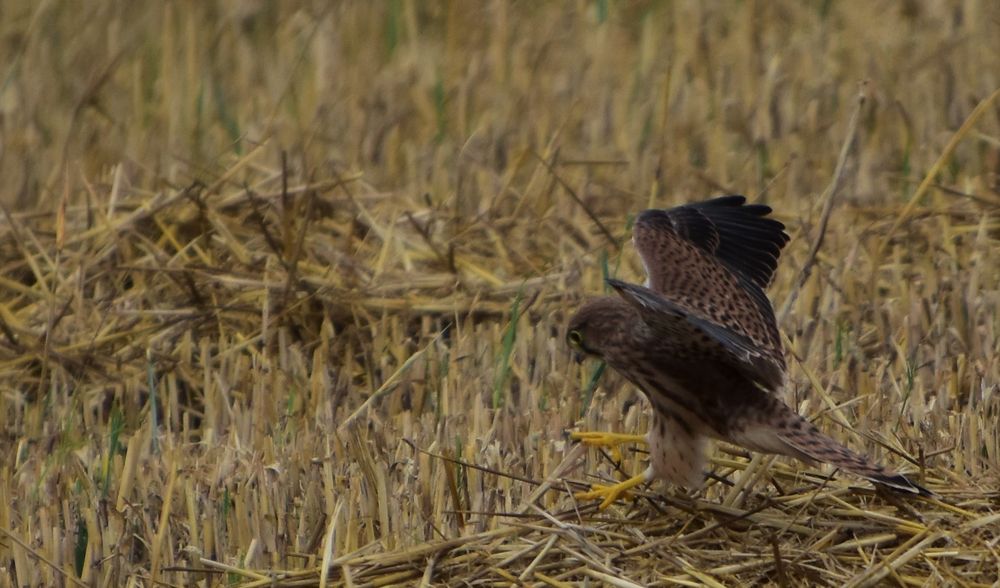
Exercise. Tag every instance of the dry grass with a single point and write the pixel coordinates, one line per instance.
(283, 287)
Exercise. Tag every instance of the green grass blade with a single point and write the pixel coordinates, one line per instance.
(506, 351)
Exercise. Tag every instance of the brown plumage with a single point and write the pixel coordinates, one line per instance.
(701, 341)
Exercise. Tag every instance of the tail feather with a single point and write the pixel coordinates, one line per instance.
(792, 435)
(803, 437)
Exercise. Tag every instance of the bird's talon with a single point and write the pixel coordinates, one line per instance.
(605, 439)
(609, 494)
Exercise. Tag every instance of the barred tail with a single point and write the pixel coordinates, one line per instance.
(787, 433)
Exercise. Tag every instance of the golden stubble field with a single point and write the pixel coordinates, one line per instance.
(284, 286)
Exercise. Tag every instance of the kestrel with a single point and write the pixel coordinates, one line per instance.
(701, 341)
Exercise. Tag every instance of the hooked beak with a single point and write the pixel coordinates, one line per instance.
(579, 357)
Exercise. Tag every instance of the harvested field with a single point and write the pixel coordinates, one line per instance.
(284, 287)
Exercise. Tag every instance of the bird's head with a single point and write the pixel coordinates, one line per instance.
(597, 325)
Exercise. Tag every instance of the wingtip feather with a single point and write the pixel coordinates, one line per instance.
(901, 483)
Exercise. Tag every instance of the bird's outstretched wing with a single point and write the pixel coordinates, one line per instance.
(707, 339)
(714, 259)
(739, 235)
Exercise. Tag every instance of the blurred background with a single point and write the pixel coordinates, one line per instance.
(443, 98)
(268, 267)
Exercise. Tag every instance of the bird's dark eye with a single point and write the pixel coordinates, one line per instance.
(575, 339)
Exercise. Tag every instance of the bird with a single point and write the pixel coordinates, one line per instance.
(701, 341)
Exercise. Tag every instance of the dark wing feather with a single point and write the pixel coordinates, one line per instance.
(749, 241)
(715, 340)
(738, 234)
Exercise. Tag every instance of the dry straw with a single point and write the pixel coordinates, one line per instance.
(284, 286)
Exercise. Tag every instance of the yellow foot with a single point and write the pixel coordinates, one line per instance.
(604, 439)
(609, 494)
